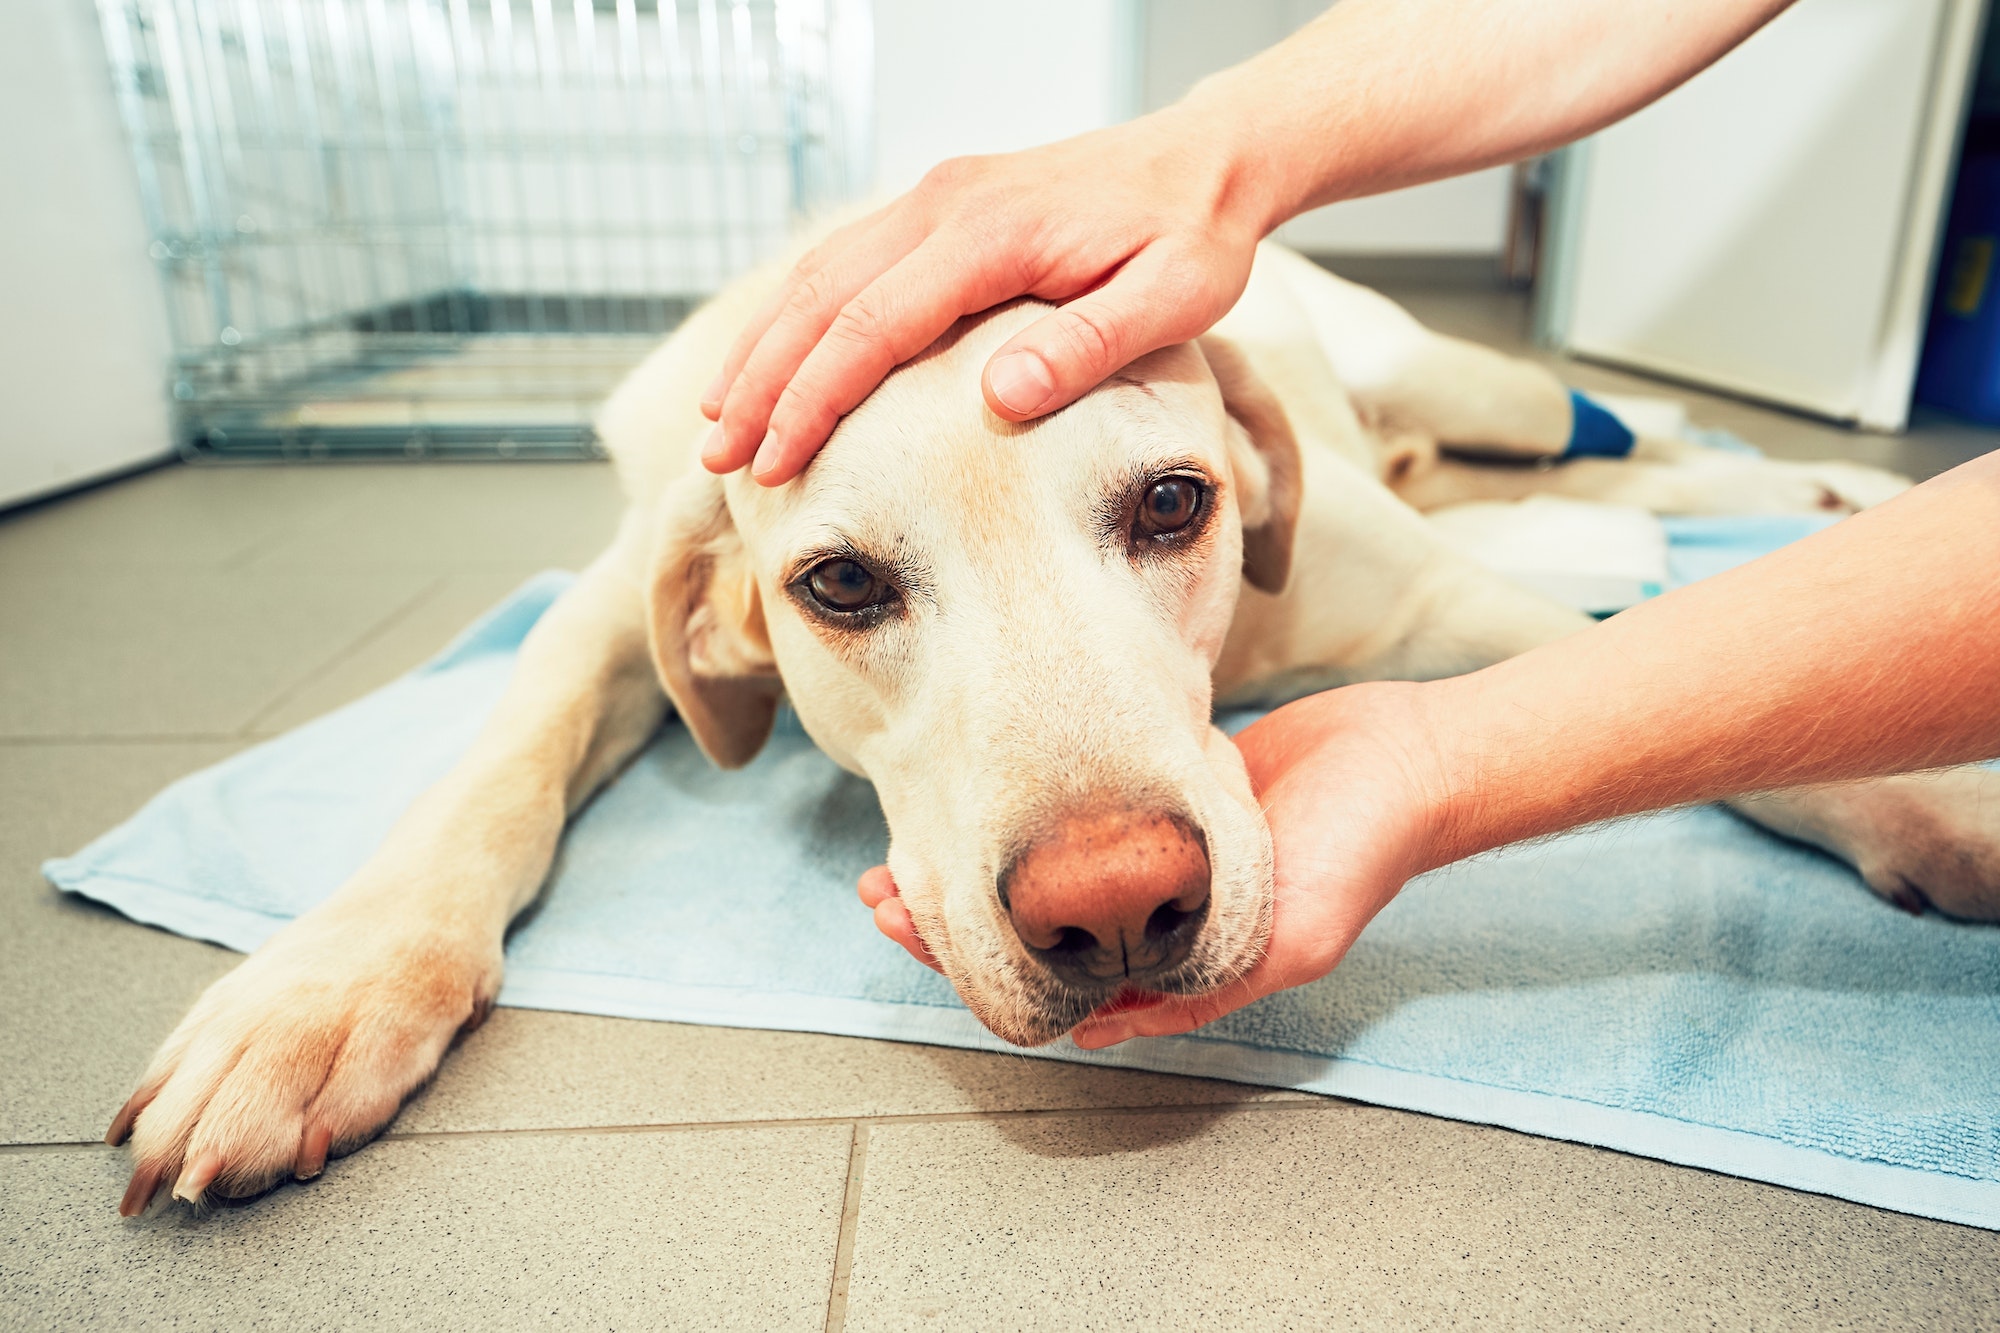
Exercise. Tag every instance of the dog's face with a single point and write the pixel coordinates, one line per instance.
(1010, 630)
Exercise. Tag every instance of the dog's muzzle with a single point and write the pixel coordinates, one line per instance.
(1110, 898)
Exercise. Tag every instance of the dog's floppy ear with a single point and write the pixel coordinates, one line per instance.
(705, 621)
(1264, 455)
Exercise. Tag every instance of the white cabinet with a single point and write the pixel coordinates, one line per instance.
(83, 340)
(1770, 228)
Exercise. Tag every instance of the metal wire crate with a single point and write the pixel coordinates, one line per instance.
(447, 226)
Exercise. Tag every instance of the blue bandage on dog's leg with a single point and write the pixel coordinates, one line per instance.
(1594, 432)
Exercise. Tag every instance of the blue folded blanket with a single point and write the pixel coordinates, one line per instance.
(1680, 986)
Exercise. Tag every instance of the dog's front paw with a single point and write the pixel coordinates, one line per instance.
(305, 1051)
(1922, 840)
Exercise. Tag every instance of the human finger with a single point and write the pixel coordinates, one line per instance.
(753, 328)
(895, 317)
(892, 918)
(1162, 295)
(1172, 1015)
(876, 886)
(741, 346)
(814, 301)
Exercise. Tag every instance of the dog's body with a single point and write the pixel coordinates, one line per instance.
(1017, 633)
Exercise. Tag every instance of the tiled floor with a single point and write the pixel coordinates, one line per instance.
(568, 1171)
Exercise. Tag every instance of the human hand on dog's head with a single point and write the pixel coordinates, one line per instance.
(1347, 786)
(1143, 233)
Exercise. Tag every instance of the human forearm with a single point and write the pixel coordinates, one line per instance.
(1870, 648)
(1378, 94)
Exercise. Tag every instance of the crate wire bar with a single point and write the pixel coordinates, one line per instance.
(433, 227)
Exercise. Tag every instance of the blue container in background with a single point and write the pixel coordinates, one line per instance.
(1961, 365)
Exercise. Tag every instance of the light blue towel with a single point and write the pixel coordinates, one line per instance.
(1680, 986)
(1700, 547)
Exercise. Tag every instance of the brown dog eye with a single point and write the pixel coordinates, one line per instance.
(1168, 506)
(845, 586)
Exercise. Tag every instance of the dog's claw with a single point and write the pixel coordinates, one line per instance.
(1910, 899)
(313, 1147)
(197, 1175)
(121, 1124)
(145, 1184)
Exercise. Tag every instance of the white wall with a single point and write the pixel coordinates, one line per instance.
(1466, 215)
(963, 76)
(1185, 40)
(83, 340)
(960, 76)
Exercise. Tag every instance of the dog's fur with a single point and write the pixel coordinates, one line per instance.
(1039, 659)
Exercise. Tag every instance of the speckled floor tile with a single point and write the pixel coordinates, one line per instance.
(85, 995)
(1350, 1216)
(523, 516)
(408, 638)
(174, 652)
(694, 1230)
(174, 517)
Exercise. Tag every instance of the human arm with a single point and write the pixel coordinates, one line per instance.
(1145, 231)
(1870, 648)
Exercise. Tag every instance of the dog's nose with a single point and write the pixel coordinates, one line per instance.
(1110, 897)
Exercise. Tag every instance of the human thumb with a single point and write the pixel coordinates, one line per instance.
(1071, 350)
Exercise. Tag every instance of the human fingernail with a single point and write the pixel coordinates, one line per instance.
(1021, 382)
(714, 447)
(766, 461)
(712, 395)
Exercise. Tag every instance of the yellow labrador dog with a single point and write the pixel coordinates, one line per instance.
(1017, 633)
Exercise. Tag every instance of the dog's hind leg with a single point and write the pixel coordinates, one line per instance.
(1406, 380)
(1666, 477)
(309, 1046)
(1454, 421)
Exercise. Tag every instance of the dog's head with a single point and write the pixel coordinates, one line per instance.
(1009, 630)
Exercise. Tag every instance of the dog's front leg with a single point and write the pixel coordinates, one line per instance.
(310, 1046)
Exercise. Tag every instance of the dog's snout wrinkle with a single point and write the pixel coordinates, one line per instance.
(1110, 897)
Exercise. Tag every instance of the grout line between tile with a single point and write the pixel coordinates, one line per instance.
(240, 561)
(850, 1217)
(799, 1122)
(345, 653)
(926, 1118)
